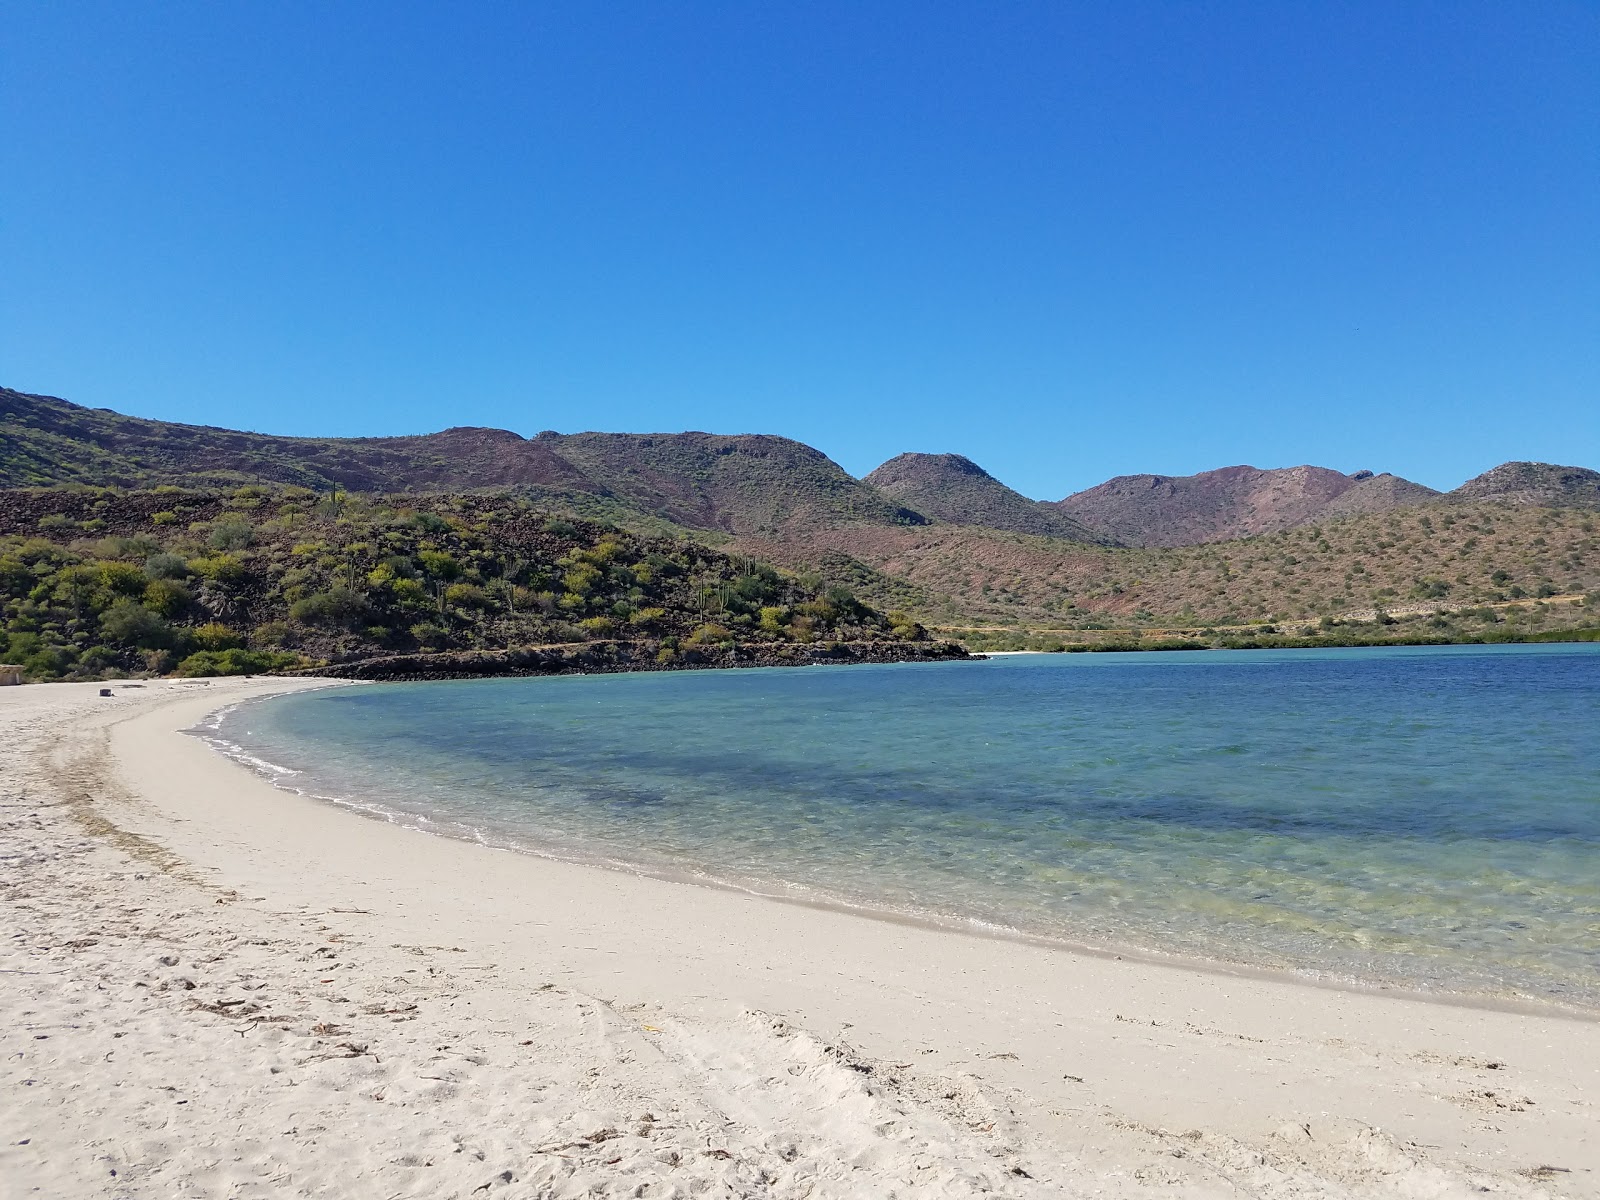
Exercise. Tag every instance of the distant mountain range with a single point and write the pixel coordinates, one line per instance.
(1233, 502)
(748, 486)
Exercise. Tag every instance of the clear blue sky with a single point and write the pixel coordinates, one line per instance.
(1068, 240)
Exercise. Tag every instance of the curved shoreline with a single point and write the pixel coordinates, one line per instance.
(1072, 1067)
(276, 776)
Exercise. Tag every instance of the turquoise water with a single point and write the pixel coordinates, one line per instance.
(1423, 815)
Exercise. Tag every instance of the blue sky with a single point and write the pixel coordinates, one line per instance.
(1067, 240)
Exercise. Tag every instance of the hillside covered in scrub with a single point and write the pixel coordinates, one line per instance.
(1442, 556)
(99, 583)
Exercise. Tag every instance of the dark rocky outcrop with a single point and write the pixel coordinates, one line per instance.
(1534, 483)
(593, 658)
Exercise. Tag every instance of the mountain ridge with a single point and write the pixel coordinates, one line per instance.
(954, 489)
(1225, 503)
(726, 485)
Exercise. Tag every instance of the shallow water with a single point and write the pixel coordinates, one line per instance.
(1429, 816)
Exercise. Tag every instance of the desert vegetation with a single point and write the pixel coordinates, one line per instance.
(102, 583)
(1442, 560)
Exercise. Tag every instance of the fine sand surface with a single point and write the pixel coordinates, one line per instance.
(209, 987)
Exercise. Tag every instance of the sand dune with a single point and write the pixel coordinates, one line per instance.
(212, 988)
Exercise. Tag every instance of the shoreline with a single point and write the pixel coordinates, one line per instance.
(827, 1054)
(274, 775)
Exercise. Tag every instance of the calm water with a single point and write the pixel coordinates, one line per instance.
(1426, 815)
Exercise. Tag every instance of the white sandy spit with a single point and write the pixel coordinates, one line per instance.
(209, 987)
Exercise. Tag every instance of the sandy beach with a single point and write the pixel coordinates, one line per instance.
(211, 987)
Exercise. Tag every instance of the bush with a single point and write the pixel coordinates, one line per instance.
(428, 522)
(338, 605)
(49, 662)
(439, 564)
(273, 633)
(598, 627)
(223, 568)
(711, 634)
(235, 662)
(428, 635)
(167, 597)
(166, 566)
(231, 532)
(408, 591)
(130, 623)
(466, 595)
(97, 659)
(165, 518)
(214, 635)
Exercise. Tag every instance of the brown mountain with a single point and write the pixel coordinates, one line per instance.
(742, 484)
(956, 490)
(1233, 502)
(1534, 483)
(1376, 494)
(45, 440)
(745, 484)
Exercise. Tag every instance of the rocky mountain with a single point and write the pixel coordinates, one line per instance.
(45, 440)
(741, 484)
(1542, 484)
(1232, 502)
(956, 490)
(745, 484)
(1376, 494)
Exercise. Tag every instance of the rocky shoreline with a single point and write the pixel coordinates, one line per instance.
(588, 658)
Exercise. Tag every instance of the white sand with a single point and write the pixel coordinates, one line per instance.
(214, 988)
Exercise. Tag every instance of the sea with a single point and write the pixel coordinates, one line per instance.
(1418, 817)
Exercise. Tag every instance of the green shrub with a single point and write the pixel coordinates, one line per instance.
(167, 597)
(214, 635)
(273, 633)
(428, 522)
(235, 662)
(710, 634)
(439, 564)
(224, 568)
(408, 591)
(130, 623)
(598, 627)
(429, 635)
(166, 566)
(50, 662)
(97, 660)
(338, 605)
(467, 595)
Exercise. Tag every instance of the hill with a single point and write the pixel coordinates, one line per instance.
(101, 583)
(51, 441)
(954, 489)
(1534, 483)
(1443, 554)
(727, 485)
(1232, 502)
(1376, 494)
(743, 484)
